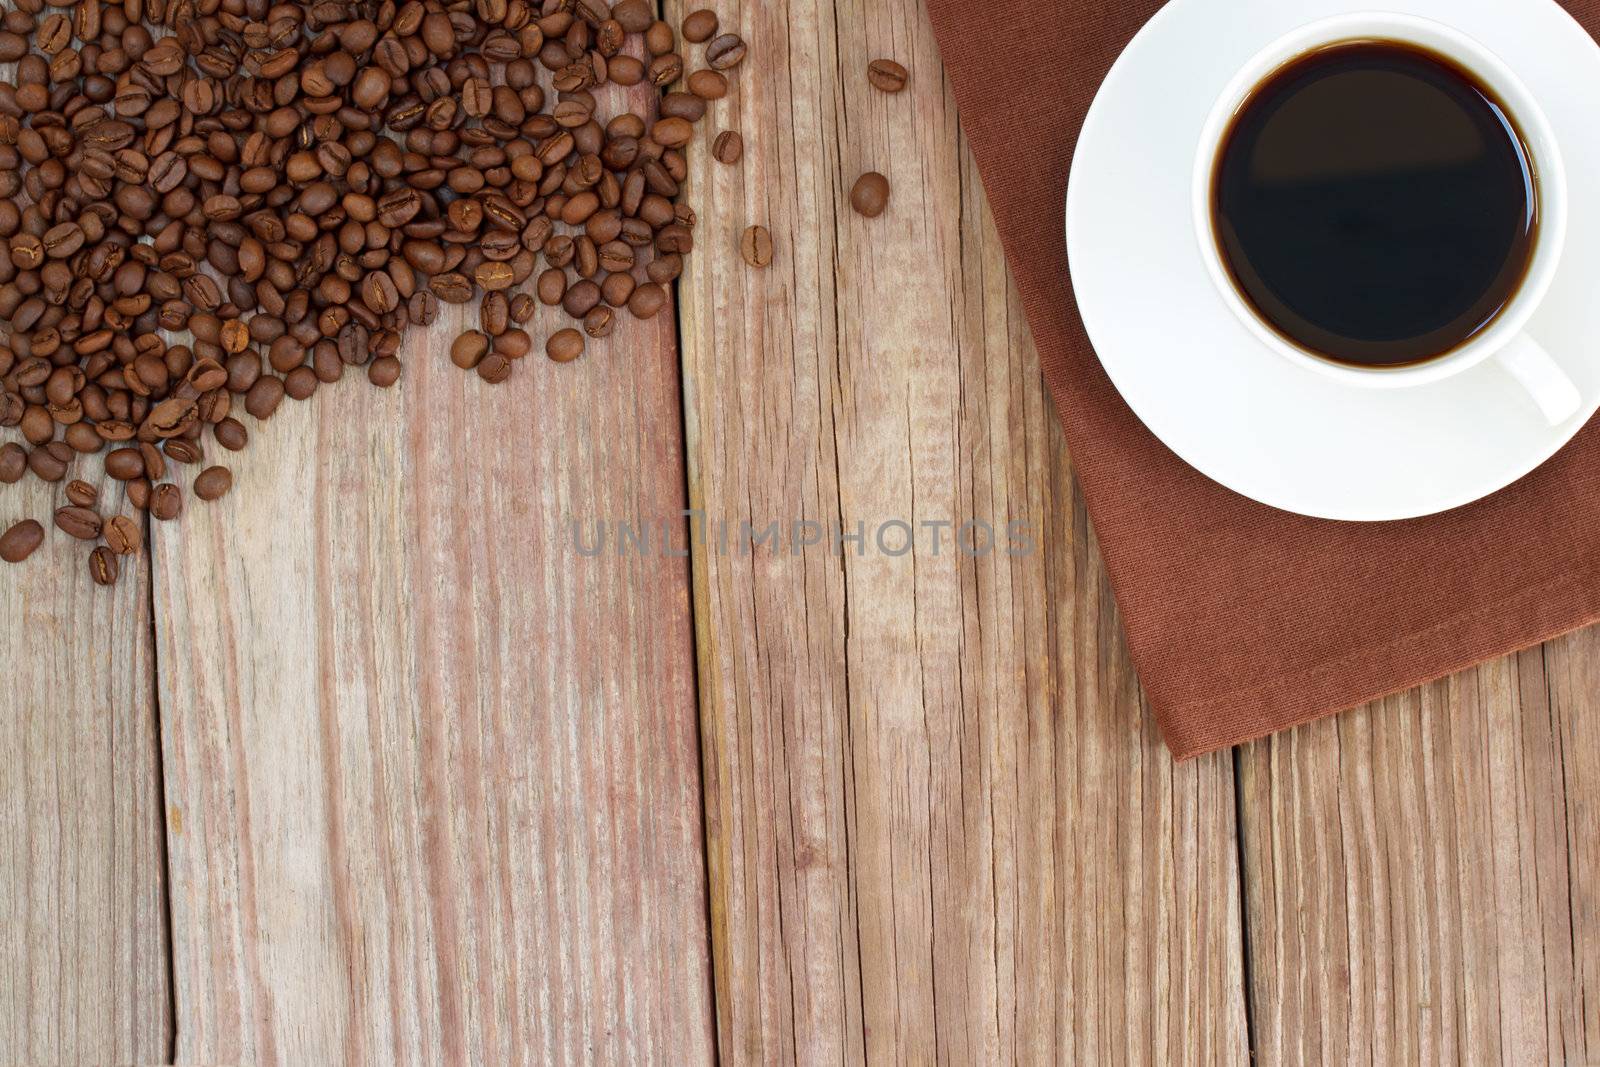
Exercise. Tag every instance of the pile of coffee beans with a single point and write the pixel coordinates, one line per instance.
(608, 226)
(208, 206)
(211, 205)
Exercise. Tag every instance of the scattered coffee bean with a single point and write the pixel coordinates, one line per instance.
(728, 147)
(870, 195)
(494, 314)
(121, 535)
(20, 541)
(46, 464)
(598, 323)
(887, 75)
(708, 84)
(166, 501)
(231, 434)
(81, 494)
(494, 368)
(564, 346)
(699, 26)
(581, 298)
(13, 462)
(103, 566)
(468, 350)
(756, 247)
(78, 522)
(659, 39)
(384, 371)
(213, 483)
(552, 286)
(725, 53)
(139, 494)
(513, 344)
(647, 300)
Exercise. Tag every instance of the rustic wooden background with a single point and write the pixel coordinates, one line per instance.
(371, 765)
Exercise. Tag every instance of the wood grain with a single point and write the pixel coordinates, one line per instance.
(83, 964)
(433, 775)
(1421, 874)
(940, 826)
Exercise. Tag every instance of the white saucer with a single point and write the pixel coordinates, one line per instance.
(1241, 413)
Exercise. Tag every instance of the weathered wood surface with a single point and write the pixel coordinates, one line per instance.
(940, 826)
(83, 960)
(432, 776)
(1423, 875)
(433, 785)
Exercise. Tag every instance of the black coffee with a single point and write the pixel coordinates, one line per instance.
(1375, 203)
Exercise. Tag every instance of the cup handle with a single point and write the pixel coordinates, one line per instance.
(1549, 386)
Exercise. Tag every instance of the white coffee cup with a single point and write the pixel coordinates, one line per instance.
(1506, 339)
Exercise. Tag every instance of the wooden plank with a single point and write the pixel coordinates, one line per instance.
(433, 774)
(1421, 874)
(940, 825)
(83, 965)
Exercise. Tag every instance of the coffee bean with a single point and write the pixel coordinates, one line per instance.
(599, 321)
(182, 450)
(121, 535)
(887, 75)
(665, 269)
(675, 237)
(725, 53)
(494, 368)
(125, 464)
(708, 85)
(659, 39)
(468, 349)
(47, 465)
(21, 540)
(580, 298)
(756, 247)
(647, 300)
(79, 522)
(63, 240)
(81, 494)
(495, 314)
(523, 308)
(564, 346)
(231, 434)
(728, 147)
(672, 132)
(664, 70)
(213, 483)
(103, 566)
(264, 397)
(513, 344)
(13, 462)
(166, 502)
(300, 383)
(616, 289)
(626, 70)
(635, 16)
(685, 106)
(154, 463)
(699, 26)
(234, 336)
(492, 276)
(552, 286)
(870, 195)
(384, 371)
(451, 287)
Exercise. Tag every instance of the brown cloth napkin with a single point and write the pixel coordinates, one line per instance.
(1241, 619)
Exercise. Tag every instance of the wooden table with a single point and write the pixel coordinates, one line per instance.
(370, 764)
